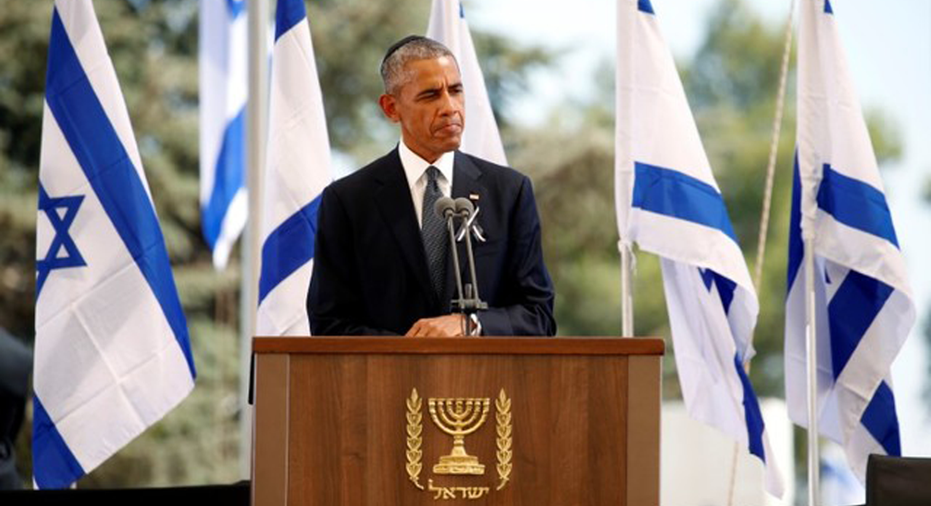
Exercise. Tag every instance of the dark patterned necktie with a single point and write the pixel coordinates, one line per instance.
(433, 232)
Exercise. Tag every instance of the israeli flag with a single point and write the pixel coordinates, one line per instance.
(223, 92)
(864, 304)
(297, 171)
(668, 202)
(481, 138)
(112, 349)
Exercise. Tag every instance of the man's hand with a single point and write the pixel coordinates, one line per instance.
(441, 326)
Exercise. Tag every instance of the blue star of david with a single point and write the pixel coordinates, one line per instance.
(61, 222)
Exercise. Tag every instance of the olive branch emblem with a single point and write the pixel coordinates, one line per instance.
(414, 438)
(505, 439)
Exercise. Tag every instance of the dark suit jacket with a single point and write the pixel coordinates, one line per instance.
(370, 271)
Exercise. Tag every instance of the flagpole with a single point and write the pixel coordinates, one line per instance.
(627, 302)
(255, 158)
(811, 352)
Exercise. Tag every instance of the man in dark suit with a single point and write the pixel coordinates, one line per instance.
(381, 261)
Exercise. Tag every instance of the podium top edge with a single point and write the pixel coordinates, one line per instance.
(460, 346)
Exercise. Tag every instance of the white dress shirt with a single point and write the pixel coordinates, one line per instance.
(415, 168)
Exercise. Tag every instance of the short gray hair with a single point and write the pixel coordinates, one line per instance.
(404, 51)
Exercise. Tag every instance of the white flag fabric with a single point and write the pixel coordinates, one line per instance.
(112, 349)
(223, 67)
(668, 202)
(448, 26)
(297, 171)
(864, 303)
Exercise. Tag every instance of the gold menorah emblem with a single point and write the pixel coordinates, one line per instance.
(459, 418)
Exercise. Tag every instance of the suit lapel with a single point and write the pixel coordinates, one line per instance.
(394, 202)
(467, 181)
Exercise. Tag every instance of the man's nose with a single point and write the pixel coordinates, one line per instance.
(450, 103)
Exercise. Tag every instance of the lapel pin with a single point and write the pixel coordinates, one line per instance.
(473, 196)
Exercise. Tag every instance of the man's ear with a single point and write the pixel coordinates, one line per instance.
(389, 106)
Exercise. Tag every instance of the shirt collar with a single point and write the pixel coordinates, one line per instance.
(415, 166)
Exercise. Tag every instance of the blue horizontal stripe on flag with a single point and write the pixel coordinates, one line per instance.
(288, 247)
(672, 193)
(856, 204)
(111, 174)
(855, 305)
(881, 421)
(288, 14)
(645, 6)
(53, 464)
(752, 414)
(228, 178)
(796, 246)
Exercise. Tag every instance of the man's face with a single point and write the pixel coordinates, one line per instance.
(430, 106)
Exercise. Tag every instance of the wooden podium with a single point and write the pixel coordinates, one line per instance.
(484, 421)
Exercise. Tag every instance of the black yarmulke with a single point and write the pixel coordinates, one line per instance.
(399, 44)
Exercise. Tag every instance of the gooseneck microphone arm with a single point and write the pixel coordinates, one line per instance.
(445, 208)
(465, 209)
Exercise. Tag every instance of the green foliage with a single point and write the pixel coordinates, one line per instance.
(506, 67)
(25, 29)
(350, 38)
(351, 85)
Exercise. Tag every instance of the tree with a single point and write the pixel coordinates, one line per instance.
(351, 86)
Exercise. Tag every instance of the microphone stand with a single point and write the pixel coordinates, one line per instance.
(472, 302)
(445, 207)
(452, 246)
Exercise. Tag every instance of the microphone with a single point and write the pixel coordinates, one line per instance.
(444, 207)
(464, 207)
